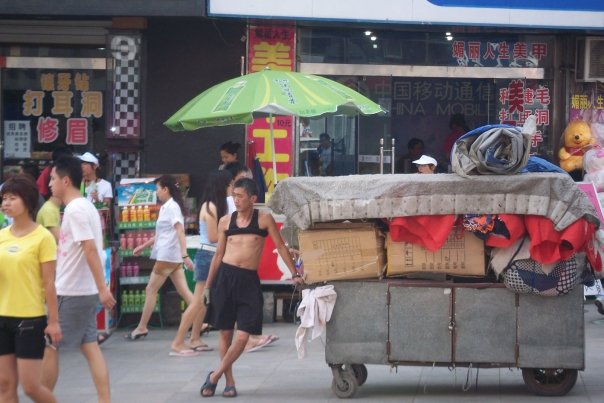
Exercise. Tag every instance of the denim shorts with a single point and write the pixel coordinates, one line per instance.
(203, 259)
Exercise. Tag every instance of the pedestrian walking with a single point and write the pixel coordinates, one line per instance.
(233, 287)
(213, 207)
(28, 299)
(169, 251)
(80, 278)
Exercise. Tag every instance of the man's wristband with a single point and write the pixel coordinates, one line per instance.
(296, 275)
(185, 256)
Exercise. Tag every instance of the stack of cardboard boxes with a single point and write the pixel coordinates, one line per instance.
(346, 251)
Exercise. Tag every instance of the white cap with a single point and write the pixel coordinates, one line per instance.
(88, 157)
(425, 160)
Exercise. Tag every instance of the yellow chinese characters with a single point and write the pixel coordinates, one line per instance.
(33, 103)
(276, 56)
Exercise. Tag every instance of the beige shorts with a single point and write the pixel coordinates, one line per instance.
(165, 268)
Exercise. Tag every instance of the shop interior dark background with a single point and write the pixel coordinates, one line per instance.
(184, 58)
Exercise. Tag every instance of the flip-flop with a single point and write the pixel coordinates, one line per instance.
(133, 337)
(228, 389)
(202, 347)
(257, 347)
(184, 353)
(208, 386)
(273, 338)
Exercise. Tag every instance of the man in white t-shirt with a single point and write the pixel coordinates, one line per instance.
(80, 278)
(95, 189)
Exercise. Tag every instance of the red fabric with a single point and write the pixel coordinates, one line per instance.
(550, 246)
(429, 231)
(43, 181)
(515, 226)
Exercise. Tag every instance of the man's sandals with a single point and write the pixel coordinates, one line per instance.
(229, 391)
(208, 386)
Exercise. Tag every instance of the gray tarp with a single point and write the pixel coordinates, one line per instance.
(308, 200)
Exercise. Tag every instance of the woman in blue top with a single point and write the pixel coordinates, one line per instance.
(213, 208)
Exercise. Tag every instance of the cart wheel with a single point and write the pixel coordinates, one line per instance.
(348, 386)
(360, 373)
(549, 382)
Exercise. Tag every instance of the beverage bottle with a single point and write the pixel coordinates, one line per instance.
(128, 269)
(154, 213)
(124, 300)
(135, 269)
(139, 214)
(157, 303)
(182, 305)
(123, 269)
(131, 301)
(137, 300)
(143, 298)
(132, 214)
(138, 240)
(146, 213)
(123, 243)
(125, 215)
(130, 241)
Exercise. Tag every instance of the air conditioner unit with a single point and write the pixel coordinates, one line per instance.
(590, 59)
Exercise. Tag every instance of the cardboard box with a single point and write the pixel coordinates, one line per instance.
(461, 255)
(345, 252)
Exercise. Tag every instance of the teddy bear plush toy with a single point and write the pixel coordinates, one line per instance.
(577, 139)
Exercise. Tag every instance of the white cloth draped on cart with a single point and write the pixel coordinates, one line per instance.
(314, 312)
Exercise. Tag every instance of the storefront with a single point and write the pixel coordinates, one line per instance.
(72, 84)
(429, 63)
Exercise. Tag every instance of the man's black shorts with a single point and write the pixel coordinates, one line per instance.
(236, 298)
(23, 337)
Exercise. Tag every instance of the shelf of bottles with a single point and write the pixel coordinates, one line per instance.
(133, 301)
(136, 226)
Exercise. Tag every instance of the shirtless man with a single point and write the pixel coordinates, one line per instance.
(236, 296)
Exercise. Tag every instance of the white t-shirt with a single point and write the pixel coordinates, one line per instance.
(166, 247)
(81, 222)
(103, 188)
(231, 204)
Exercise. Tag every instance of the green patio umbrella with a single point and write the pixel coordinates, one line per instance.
(269, 92)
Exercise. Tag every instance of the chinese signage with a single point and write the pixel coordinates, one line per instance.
(62, 102)
(422, 108)
(17, 139)
(499, 53)
(274, 47)
(587, 104)
(520, 99)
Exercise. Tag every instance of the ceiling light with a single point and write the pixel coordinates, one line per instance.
(375, 45)
(449, 37)
(367, 33)
(447, 33)
(373, 38)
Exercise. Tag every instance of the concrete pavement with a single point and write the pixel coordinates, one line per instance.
(143, 372)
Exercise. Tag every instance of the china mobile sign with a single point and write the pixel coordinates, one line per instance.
(532, 13)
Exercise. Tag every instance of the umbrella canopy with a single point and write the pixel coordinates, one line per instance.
(269, 92)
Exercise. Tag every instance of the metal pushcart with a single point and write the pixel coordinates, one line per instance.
(400, 322)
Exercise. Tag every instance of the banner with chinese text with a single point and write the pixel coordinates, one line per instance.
(501, 53)
(519, 99)
(272, 46)
(587, 104)
(62, 107)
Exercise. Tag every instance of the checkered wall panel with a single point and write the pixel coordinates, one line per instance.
(125, 165)
(126, 86)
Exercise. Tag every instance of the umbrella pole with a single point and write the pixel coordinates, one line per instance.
(273, 154)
